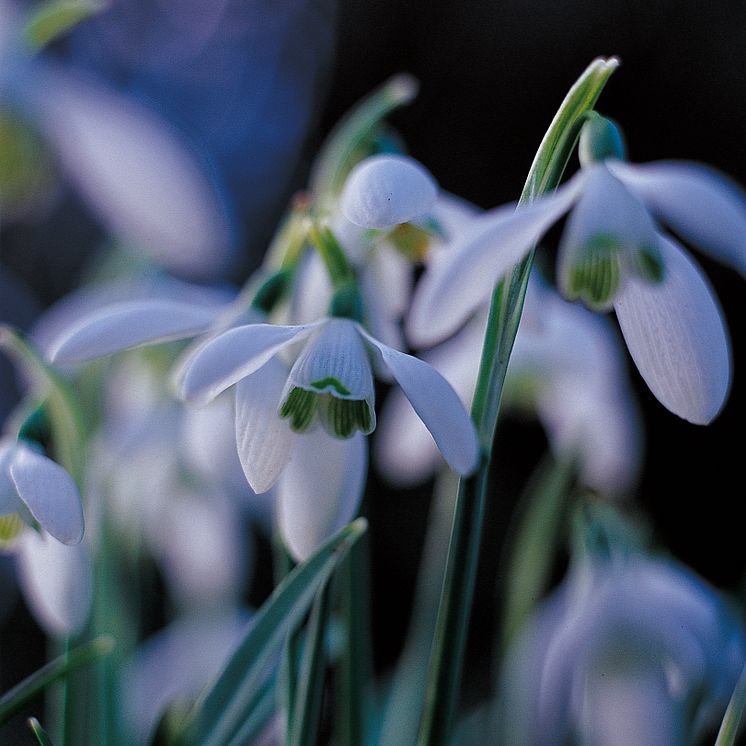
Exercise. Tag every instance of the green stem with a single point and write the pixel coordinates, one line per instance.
(449, 644)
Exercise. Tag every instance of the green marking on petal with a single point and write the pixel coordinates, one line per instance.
(596, 275)
(300, 408)
(11, 525)
(649, 264)
(330, 382)
(343, 417)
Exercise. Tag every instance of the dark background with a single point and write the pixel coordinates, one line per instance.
(492, 75)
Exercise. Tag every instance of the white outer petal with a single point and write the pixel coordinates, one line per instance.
(9, 500)
(320, 490)
(264, 439)
(436, 403)
(56, 581)
(231, 356)
(49, 492)
(403, 449)
(385, 190)
(136, 173)
(466, 273)
(701, 204)
(125, 325)
(677, 337)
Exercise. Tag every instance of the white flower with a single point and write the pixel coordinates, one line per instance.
(37, 490)
(613, 255)
(566, 366)
(331, 382)
(376, 221)
(626, 651)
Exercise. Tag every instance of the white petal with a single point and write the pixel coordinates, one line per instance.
(465, 275)
(264, 439)
(437, 405)
(231, 356)
(605, 209)
(404, 450)
(137, 174)
(125, 325)
(338, 353)
(677, 337)
(704, 206)
(385, 190)
(50, 494)
(320, 490)
(56, 581)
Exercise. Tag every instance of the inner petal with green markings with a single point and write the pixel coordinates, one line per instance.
(332, 382)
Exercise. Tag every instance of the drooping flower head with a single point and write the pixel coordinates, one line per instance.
(614, 255)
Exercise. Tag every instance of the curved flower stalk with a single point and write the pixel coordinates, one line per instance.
(627, 650)
(613, 255)
(330, 382)
(566, 366)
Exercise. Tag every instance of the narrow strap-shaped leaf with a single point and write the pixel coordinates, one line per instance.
(732, 718)
(41, 735)
(449, 644)
(14, 699)
(218, 713)
(258, 714)
(304, 727)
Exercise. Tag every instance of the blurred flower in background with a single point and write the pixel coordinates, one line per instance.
(629, 649)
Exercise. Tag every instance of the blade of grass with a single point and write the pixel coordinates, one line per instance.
(449, 644)
(303, 728)
(13, 700)
(219, 711)
(41, 735)
(732, 718)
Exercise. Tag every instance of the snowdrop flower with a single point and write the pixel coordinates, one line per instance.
(376, 220)
(330, 382)
(36, 490)
(566, 367)
(628, 650)
(613, 255)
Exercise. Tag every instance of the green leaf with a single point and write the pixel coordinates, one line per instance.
(223, 707)
(506, 306)
(14, 699)
(41, 735)
(59, 400)
(57, 17)
(304, 725)
(732, 718)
